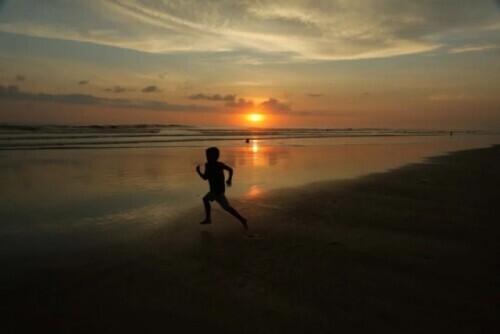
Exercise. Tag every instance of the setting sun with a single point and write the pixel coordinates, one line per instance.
(255, 117)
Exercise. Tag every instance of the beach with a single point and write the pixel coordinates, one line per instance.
(249, 166)
(409, 250)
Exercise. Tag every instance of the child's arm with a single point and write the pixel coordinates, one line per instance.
(202, 175)
(230, 178)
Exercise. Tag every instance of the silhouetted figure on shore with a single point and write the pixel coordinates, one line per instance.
(214, 173)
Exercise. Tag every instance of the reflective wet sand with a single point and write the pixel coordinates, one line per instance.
(48, 193)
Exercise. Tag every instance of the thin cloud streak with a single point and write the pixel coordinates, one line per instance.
(151, 89)
(300, 31)
(473, 48)
(215, 97)
(12, 92)
(117, 89)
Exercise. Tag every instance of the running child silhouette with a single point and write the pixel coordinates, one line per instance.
(214, 173)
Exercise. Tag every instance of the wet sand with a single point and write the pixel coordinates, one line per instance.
(413, 250)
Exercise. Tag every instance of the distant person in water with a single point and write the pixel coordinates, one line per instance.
(214, 173)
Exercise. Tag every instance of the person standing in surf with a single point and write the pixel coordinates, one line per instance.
(214, 173)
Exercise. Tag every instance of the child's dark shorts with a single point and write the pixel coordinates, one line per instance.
(219, 198)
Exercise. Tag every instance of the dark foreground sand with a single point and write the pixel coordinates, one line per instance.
(414, 250)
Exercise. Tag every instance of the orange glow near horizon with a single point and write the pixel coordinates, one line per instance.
(255, 118)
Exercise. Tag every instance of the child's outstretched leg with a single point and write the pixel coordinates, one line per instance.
(235, 213)
(225, 205)
(206, 204)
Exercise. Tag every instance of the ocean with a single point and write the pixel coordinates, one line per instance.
(64, 187)
(31, 137)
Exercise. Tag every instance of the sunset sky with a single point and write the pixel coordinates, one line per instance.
(431, 64)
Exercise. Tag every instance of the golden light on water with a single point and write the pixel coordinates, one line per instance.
(255, 147)
(256, 153)
(254, 191)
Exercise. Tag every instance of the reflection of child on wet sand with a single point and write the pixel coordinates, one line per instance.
(214, 173)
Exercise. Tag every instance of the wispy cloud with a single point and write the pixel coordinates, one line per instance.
(274, 106)
(215, 97)
(118, 89)
(296, 29)
(241, 103)
(12, 92)
(83, 82)
(271, 105)
(473, 48)
(151, 89)
(315, 95)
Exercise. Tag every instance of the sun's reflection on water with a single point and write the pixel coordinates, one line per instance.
(257, 153)
(255, 146)
(254, 192)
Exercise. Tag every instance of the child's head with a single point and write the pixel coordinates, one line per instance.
(212, 154)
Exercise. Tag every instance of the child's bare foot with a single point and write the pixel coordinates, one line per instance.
(206, 221)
